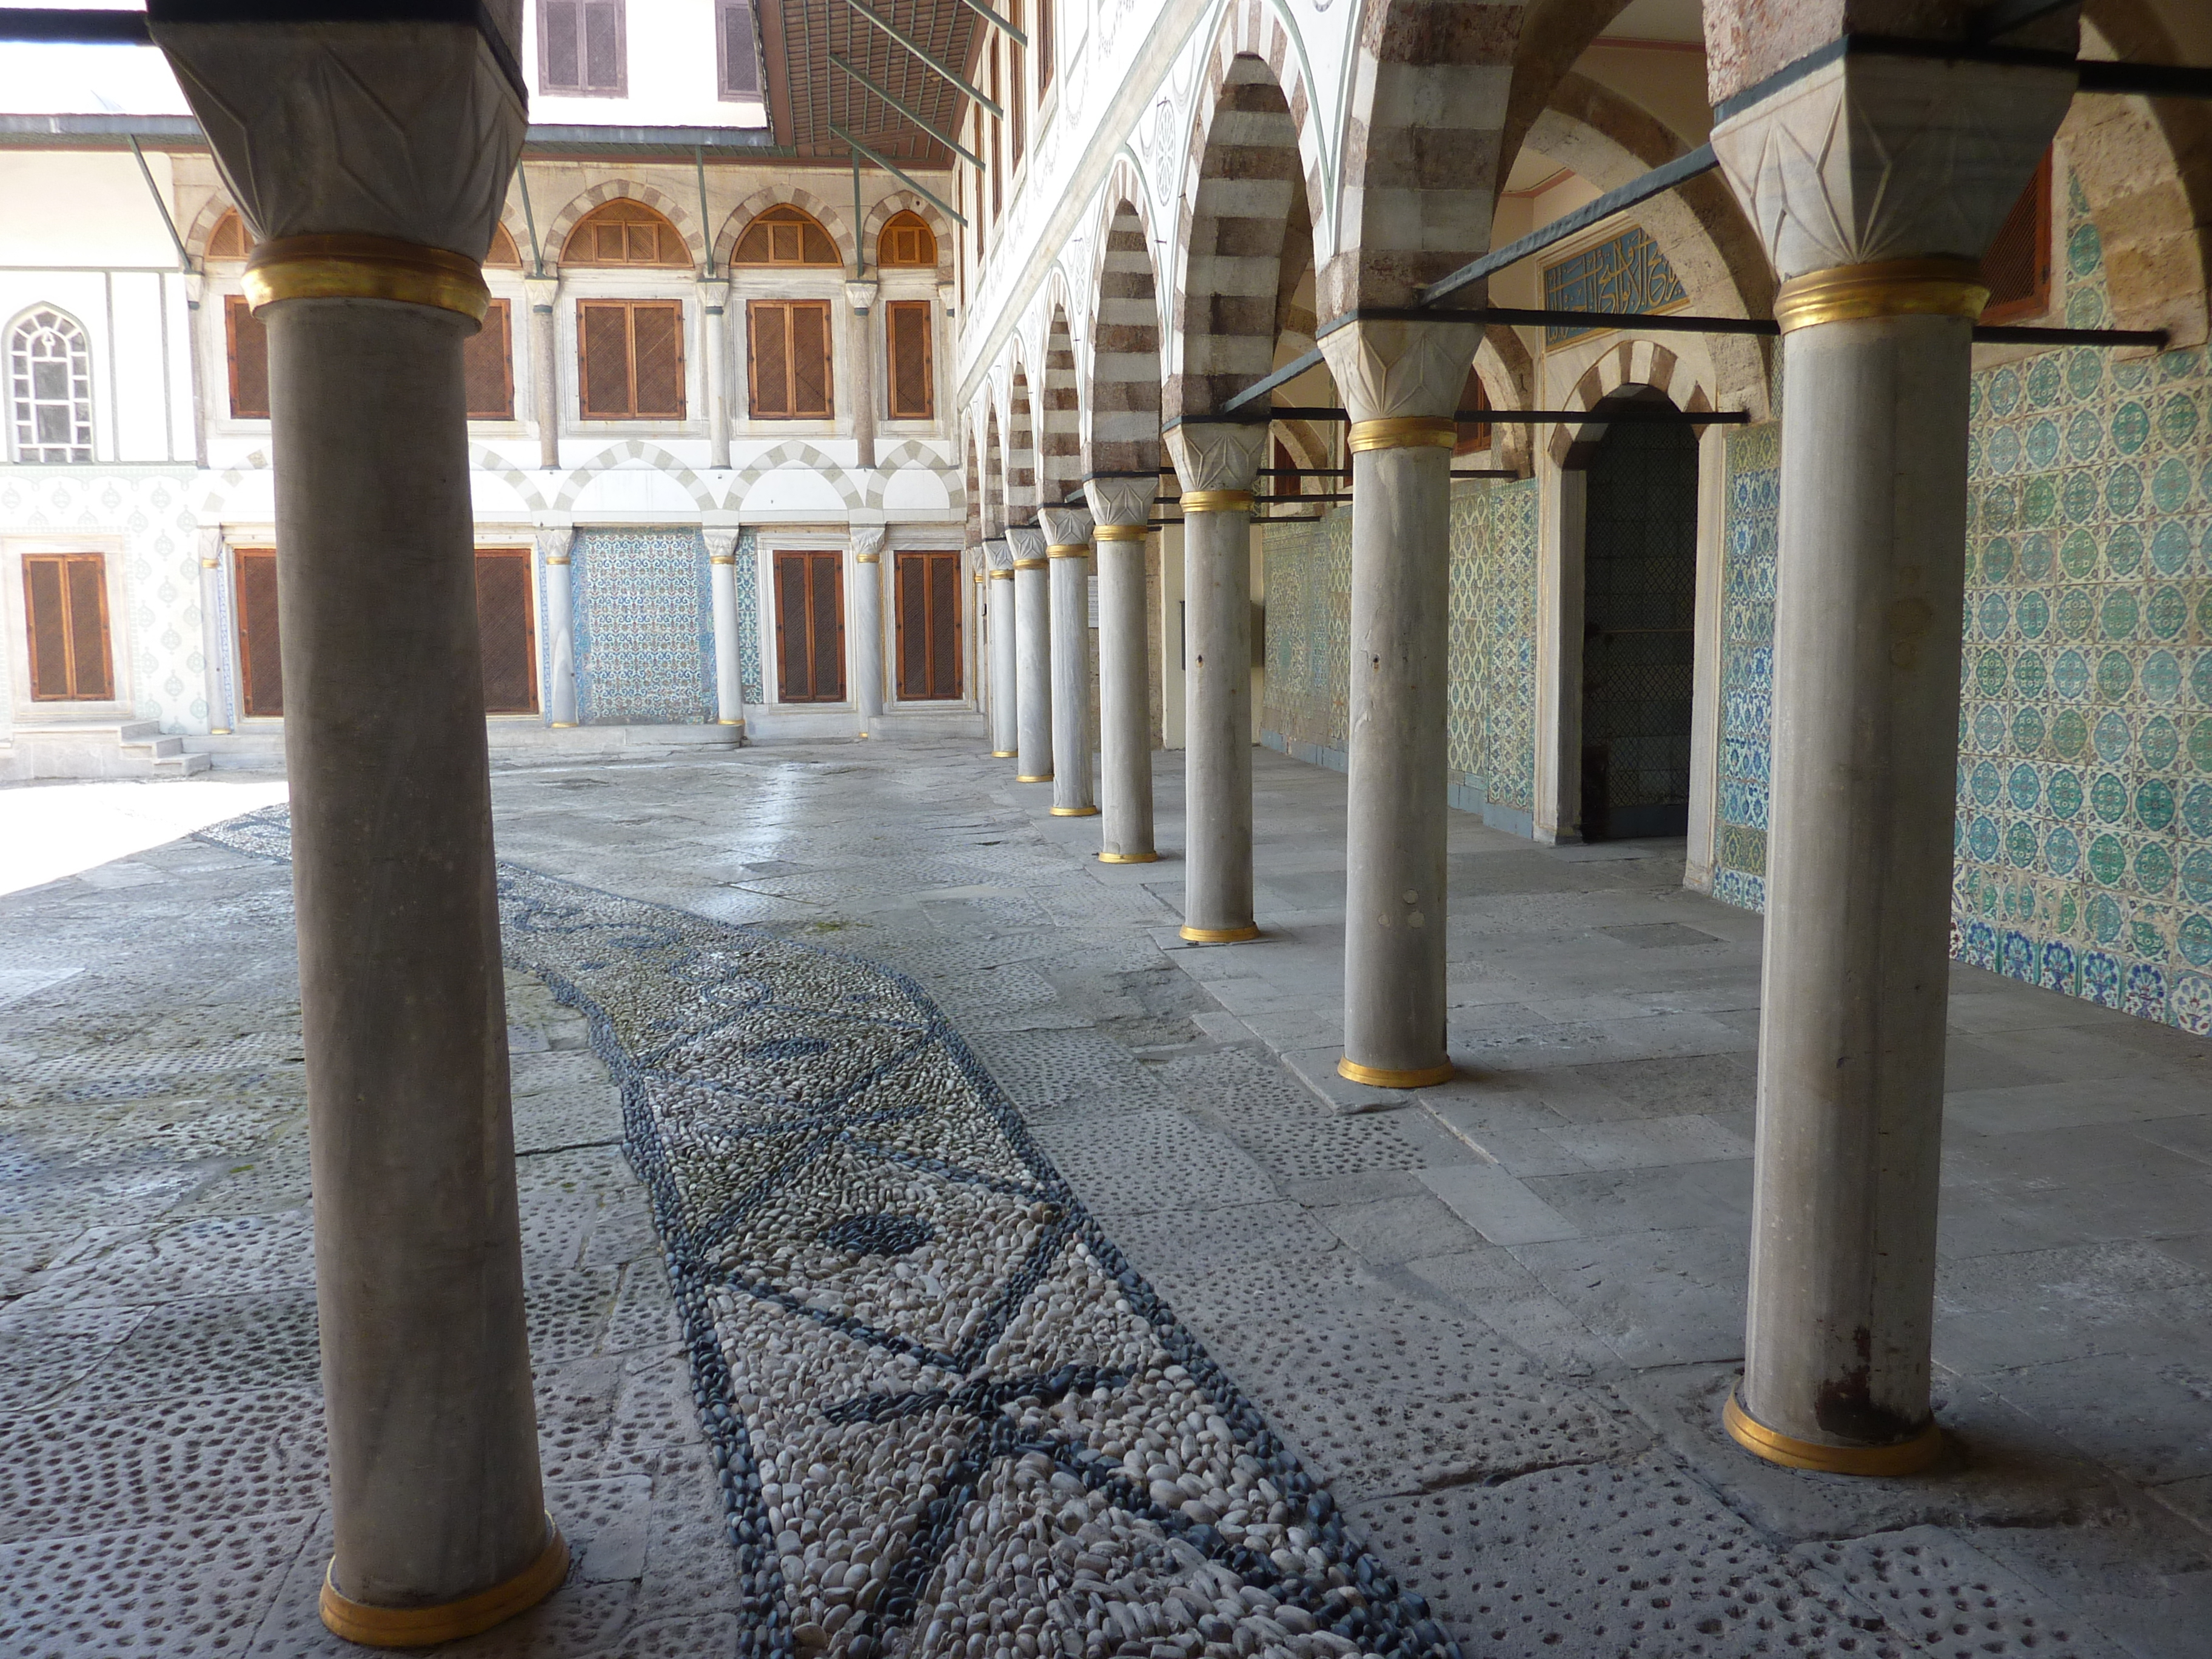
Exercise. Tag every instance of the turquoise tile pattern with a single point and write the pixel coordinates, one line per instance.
(644, 628)
(2084, 828)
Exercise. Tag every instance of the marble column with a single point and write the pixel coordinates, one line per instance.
(999, 623)
(1876, 183)
(215, 633)
(861, 297)
(868, 542)
(544, 373)
(554, 543)
(1067, 552)
(1217, 464)
(729, 658)
(369, 230)
(1400, 381)
(1032, 655)
(714, 309)
(1122, 509)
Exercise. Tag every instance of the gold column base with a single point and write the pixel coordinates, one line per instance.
(1381, 1077)
(218, 730)
(1906, 1457)
(1042, 777)
(1219, 935)
(726, 722)
(1002, 754)
(859, 734)
(1075, 811)
(422, 1627)
(1128, 858)
(563, 725)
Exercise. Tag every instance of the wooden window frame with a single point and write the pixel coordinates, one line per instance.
(604, 214)
(1045, 23)
(630, 308)
(504, 310)
(893, 226)
(241, 616)
(925, 556)
(63, 561)
(2037, 301)
(525, 556)
(791, 214)
(584, 88)
(815, 558)
(753, 309)
(892, 411)
(723, 89)
(1017, 59)
(237, 313)
(19, 373)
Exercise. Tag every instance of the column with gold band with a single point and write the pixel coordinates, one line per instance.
(722, 554)
(1217, 462)
(1068, 557)
(1876, 356)
(1121, 508)
(999, 628)
(867, 627)
(367, 274)
(1032, 654)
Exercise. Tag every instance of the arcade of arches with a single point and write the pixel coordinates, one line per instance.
(1555, 996)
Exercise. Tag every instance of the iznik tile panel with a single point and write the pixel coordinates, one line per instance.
(747, 572)
(1626, 274)
(644, 628)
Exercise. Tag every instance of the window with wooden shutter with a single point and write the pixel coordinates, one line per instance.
(582, 51)
(1045, 10)
(260, 659)
(65, 614)
(789, 359)
(488, 367)
(738, 48)
(506, 628)
(928, 625)
(785, 235)
(630, 354)
(2017, 267)
(907, 240)
(906, 328)
(247, 346)
(1474, 435)
(228, 239)
(1015, 107)
(625, 233)
(502, 254)
(809, 627)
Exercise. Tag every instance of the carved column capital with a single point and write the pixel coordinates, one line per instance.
(868, 540)
(1394, 369)
(722, 543)
(554, 541)
(1218, 454)
(997, 553)
(1122, 501)
(1065, 526)
(1026, 540)
(862, 295)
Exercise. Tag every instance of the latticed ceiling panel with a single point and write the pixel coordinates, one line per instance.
(807, 92)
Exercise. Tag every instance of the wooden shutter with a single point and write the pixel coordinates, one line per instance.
(740, 55)
(809, 627)
(247, 344)
(604, 46)
(488, 367)
(603, 348)
(2017, 267)
(657, 353)
(580, 49)
(65, 610)
(928, 625)
(260, 658)
(1474, 435)
(906, 323)
(790, 364)
(507, 630)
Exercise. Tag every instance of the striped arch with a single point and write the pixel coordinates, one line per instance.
(994, 478)
(973, 518)
(799, 453)
(636, 449)
(911, 453)
(905, 201)
(1238, 220)
(1630, 366)
(1509, 377)
(780, 194)
(1124, 405)
(686, 221)
(1258, 33)
(1021, 484)
(203, 224)
(1060, 425)
(481, 460)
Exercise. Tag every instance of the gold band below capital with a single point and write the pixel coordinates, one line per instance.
(1217, 500)
(1031, 564)
(1405, 432)
(1219, 935)
(1001, 576)
(1903, 1457)
(421, 1627)
(1888, 287)
(365, 268)
(1121, 532)
(1384, 1077)
(1068, 550)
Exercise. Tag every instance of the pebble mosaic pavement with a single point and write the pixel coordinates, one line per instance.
(833, 1205)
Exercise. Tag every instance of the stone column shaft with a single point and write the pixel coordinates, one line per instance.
(998, 625)
(867, 627)
(544, 371)
(713, 306)
(729, 672)
(553, 547)
(1032, 655)
(861, 296)
(1122, 508)
(1068, 553)
(214, 631)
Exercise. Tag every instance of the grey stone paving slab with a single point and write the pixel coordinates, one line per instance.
(1656, 1298)
(1497, 1204)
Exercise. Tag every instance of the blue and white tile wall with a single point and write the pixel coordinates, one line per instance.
(644, 628)
(2084, 830)
(747, 572)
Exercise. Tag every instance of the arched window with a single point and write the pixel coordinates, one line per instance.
(785, 235)
(625, 232)
(50, 384)
(502, 253)
(907, 240)
(228, 239)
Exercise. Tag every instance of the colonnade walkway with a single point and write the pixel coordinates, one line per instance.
(1497, 1318)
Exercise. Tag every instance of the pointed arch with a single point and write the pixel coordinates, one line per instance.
(685, 219)
(199, 236)
(1633, 370)
(1021, 449)
(1124, 405)
(795, 452)
(905, 201)
(782, 194)
(994, 478)
(1059, 447)
(625, 233)
(635, 449)
(784, 236)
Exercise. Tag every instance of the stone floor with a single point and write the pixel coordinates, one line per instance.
(1497, 1318)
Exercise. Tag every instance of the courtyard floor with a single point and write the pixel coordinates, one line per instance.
(1092, 1316)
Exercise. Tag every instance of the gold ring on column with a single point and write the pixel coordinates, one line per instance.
(556, 558)
(1892, 288)
(1128, 858)
(1121, 532)
(1030, 564)
(867, 559)
(1217, 500)
(1001, 576)
(1004, 754)
(1405, 432)
(712, 558)
(365, 268)
(1068, 550)
(1382, 1076)
(1219, 935)
(421, 1627)
(1075, 811)
(1906, 1457)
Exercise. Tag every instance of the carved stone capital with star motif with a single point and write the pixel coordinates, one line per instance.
(1217, 454)
(1122, 501)
(1387, 369)
(1065, 527)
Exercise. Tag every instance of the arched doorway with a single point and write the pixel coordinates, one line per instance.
(1639, 618)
